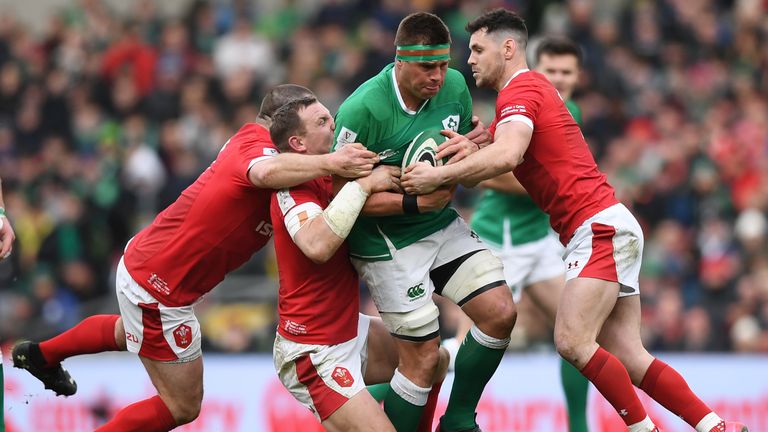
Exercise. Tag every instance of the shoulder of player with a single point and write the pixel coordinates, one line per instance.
(367, 103)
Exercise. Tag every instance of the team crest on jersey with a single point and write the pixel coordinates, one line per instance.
(183, 336)
(342, 376)
(285, 200)
(451, 122)
(346, 136)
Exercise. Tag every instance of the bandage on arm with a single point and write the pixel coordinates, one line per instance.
(319, 238)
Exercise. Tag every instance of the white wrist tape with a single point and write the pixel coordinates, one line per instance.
(341, 213)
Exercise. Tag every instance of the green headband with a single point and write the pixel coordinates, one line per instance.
(422, 53)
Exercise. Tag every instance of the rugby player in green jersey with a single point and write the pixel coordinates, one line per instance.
(407, 247)
(508, 220)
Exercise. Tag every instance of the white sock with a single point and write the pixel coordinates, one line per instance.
(645, 425)
(488, 341)
(452, 346)
(708, 422)
(409, 391)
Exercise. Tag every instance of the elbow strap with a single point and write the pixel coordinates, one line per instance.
(342, 212)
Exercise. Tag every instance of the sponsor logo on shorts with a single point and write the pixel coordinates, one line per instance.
(416, 291)
(159, 284)
(342, 376)
(183, 336)
(573, 265)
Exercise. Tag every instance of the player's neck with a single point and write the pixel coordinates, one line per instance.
(510, 70)
(263, 122)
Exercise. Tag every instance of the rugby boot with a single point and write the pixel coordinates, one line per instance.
(26, 355)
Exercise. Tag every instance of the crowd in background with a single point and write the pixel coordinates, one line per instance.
(105, 118)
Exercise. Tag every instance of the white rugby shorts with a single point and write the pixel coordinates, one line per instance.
(153, 330)
(405, 283)
(607, 246)
(323, 377)
(531, 262)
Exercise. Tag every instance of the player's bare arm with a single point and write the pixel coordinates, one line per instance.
(6, 231)
(506, 152)
(391, 203)
(291, 169)
(458, 149)
(318, 238)
(506, 183)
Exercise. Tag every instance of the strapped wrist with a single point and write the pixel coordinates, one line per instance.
(410, 204)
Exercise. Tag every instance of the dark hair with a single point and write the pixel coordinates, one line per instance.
(558, 46)
(499, 20)
(422, 28)
(287, 123)
(278, 96)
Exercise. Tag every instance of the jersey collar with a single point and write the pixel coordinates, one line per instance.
(400, 97)
(514, 75)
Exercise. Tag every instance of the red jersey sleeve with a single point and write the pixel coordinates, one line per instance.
(255, 147)
(294, 206)
(519, 101)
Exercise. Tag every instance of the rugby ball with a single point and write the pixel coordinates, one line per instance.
(423, 148)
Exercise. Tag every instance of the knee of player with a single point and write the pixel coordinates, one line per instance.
(188, 409)
(499, 319)
(425, 366)
(506, 315)
(569, 344)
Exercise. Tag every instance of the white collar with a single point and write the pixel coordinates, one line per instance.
(400, 97)
(514, 75)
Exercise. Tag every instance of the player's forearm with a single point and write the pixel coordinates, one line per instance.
(383, 204)
(506, 183)
(317, 241)
(288, 169)
(488, 162)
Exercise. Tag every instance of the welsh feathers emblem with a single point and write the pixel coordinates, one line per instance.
(183, 336)
(342, 376)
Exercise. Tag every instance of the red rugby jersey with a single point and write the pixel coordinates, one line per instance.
(558, 170)
(214, 226)
(318, 303)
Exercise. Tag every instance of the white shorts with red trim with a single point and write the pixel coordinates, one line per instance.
(323, 377)
(607, 246)
(153, 330)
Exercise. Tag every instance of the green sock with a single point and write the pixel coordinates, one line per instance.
(575, 387)
(404, 415)
(378, 391)
(475, 365)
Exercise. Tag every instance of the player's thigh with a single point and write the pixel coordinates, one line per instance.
(179, 384)
(464, 267)
(361, 413)
(546, 294)
(585, 305)
(620, 335)
(381, 353)
(401, 284)
(401, 289)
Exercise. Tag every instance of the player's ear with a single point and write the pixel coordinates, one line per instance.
(297, 144)
(509, 48)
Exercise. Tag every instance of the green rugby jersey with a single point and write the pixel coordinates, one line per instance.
(500, 214)
(376, 116)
